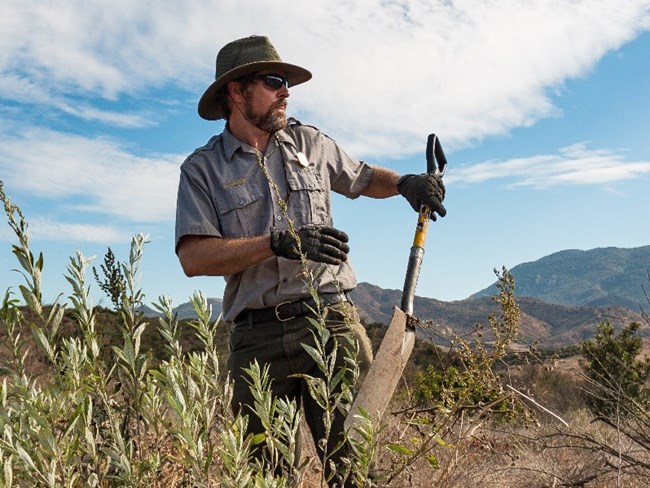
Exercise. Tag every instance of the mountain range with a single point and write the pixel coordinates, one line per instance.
(562, 297)
(598, 277)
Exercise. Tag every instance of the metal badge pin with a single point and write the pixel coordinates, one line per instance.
(302, 159)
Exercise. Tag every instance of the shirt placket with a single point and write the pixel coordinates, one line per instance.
(289, 281)
(273, 164)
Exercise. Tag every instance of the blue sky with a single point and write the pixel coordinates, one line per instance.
(542, 106)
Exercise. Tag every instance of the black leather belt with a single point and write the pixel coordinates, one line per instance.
(288, 310)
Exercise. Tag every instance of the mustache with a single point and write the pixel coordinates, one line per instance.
(280, 104)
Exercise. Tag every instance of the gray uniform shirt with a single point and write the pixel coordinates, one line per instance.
(223, 192)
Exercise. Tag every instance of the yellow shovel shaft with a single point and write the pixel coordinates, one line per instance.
(415, 260)
(422, 227)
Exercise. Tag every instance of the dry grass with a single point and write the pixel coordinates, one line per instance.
(487, 457)
(545, 454)
(479, 455)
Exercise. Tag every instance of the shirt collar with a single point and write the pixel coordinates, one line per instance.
(285, 138)
(231, 144)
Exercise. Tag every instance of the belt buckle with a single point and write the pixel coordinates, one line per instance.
(277, 314)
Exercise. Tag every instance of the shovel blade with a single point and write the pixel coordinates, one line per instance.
(385, 372)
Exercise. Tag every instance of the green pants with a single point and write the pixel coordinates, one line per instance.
(280, 346)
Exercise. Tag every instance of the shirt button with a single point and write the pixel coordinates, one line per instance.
(279, 217)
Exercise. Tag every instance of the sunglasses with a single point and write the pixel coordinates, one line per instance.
(274, 82)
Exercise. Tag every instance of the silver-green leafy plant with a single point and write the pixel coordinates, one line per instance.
(85, 419)
(334, 389)
(78, 408)
(196, 399)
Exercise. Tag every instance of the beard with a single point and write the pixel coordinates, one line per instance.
(271, 121)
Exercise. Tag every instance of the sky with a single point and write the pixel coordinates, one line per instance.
(542, 108)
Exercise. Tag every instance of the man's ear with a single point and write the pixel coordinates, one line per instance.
(235, 92)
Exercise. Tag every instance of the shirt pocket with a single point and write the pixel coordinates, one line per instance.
(309, 197)
(239, 208)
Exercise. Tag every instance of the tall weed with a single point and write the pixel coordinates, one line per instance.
(107, 414)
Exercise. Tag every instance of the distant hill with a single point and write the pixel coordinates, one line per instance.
(599, 277)
(562, 297)
(186, 310)
(550, 325)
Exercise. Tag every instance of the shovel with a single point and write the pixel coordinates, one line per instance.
(396, 347)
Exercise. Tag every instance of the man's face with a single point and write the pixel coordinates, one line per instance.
(264, 106)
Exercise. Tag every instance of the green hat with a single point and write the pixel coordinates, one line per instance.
(242, 57)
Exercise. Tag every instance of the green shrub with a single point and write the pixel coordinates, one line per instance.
(466, 379)
(618, 376)
(92, 400)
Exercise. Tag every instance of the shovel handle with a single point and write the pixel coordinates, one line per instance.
(436, 163)
(435, 154)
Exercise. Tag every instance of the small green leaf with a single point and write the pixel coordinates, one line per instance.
(258, 439)
(399, 449)
(8, 470)
(39, 262)
(30, 299)
(27, 459)
(39, 335)
(315, 355)
(433, 462)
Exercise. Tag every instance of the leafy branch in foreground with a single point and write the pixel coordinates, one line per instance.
(105, 414)
(466, 377)
(82, 419)
(113, 282)
(47, 325)
(453, 399)
(338, 370)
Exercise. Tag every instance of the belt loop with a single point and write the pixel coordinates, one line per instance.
(250, 320)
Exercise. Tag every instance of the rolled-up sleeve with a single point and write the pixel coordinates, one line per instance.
(348, 176)
(195, 210)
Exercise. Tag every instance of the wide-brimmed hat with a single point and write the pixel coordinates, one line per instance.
(242, 57)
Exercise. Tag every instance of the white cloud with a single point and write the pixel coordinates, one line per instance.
(21, 89)
(574, 165)
(49, 230)
(385, 73)
(463, 69)
(103, 174)
(89, 113)
(40, 229)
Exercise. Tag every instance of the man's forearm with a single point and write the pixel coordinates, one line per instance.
(217, 256)
(383, 183)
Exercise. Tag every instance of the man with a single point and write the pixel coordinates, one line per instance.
(254, 207)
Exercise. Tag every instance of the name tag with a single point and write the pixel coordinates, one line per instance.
(237, 182)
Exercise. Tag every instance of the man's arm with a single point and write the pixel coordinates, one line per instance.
(424, 189)
(220, 256)
(383, 183)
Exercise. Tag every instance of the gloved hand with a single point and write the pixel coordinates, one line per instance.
(427, 189)
(318, 243)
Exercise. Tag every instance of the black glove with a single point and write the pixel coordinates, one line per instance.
(427, 189)
(318, 243)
